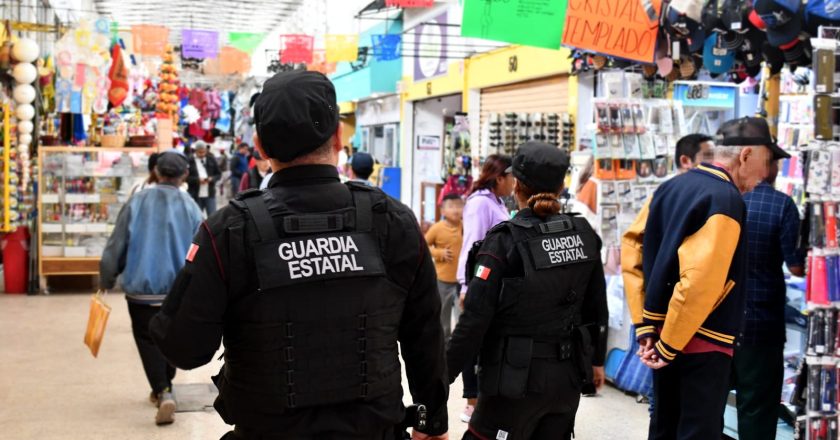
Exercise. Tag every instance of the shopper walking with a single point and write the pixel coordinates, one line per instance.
(239, 166)
(687, 301)
(361, 167)
(445, 238)
(484, 209)
(536, 305)
(161, 214)
(149, 181)
(312, 284)
(773, 230)
(204, 173)
(254, 177)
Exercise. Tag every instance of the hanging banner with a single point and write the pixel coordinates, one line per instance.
(405, 4)
(386, 47)
(245, 41)
(342, 48)
(620, 28)
(82, 57)
(234, 61)
(296, 48)
(149, 40)
(320, 64)
(536, 23)
(199, 44)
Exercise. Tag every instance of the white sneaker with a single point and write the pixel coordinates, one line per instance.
(467, 414)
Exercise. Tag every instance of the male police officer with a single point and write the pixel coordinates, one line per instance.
(311, 283)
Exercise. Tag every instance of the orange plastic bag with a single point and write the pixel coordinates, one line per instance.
(97, 319)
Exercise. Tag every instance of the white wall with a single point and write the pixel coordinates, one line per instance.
(426, 164)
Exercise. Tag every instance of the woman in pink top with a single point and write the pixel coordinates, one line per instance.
(484, 209)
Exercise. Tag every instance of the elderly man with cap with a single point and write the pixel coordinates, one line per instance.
(312, 284)
(536, 310)
(204, 174)
(684, 267)
(160, 214)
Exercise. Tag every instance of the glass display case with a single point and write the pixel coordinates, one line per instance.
(81, 192)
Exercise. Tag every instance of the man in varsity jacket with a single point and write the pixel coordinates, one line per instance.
(683, 262)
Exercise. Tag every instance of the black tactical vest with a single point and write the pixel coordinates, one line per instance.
(538, 315)
(321, 329)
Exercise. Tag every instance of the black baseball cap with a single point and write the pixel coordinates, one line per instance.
(171, 163)
(362, 163)
(749, 131)
(540, 166)
(295, 114)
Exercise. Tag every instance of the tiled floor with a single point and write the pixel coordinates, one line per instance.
(52, 388)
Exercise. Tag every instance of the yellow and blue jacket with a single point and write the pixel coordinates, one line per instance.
(684, 262)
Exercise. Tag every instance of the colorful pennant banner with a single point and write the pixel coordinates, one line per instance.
(234, 61)
(199, 44)
(342, 48)
(149, 39)
(320, 64)
(386, 47)
(296, 48)
(245, 41)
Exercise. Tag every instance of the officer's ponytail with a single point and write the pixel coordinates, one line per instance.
(544, 204)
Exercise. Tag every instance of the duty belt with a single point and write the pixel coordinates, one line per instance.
(552, 350)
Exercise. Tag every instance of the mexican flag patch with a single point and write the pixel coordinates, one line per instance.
(482, 272)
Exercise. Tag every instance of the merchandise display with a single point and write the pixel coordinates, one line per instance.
(82, 192)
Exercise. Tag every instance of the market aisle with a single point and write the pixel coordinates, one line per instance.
(51, 388)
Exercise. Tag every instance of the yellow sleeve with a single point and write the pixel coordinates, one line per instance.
(431, 238)
(705, 258)
(631, 270)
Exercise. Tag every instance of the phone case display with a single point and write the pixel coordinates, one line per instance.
(509, 130)
(820, 177)
(82, 192)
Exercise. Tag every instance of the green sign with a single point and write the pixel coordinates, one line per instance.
(536, 23)
(245, 41)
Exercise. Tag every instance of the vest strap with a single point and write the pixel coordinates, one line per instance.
(262, 218)
(364, 215)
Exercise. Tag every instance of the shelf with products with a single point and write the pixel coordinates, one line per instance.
(82, 190)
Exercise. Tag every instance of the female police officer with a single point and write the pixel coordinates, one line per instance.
(536, 307)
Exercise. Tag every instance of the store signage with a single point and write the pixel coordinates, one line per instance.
(297, 48)
(428, 142)
(245, 41)
(693, 94)
(386, 47)
(430, 48)
(409, 3)
(342, 48)
(199, 44)
(536, 23)
(621, 28)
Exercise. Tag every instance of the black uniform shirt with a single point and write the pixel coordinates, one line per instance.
(499, 255)
(191, 324)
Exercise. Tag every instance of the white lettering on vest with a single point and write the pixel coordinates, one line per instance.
(320, 256)
(564, 249)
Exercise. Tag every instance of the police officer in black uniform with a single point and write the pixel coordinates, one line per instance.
(311, 284)
(536, 310)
